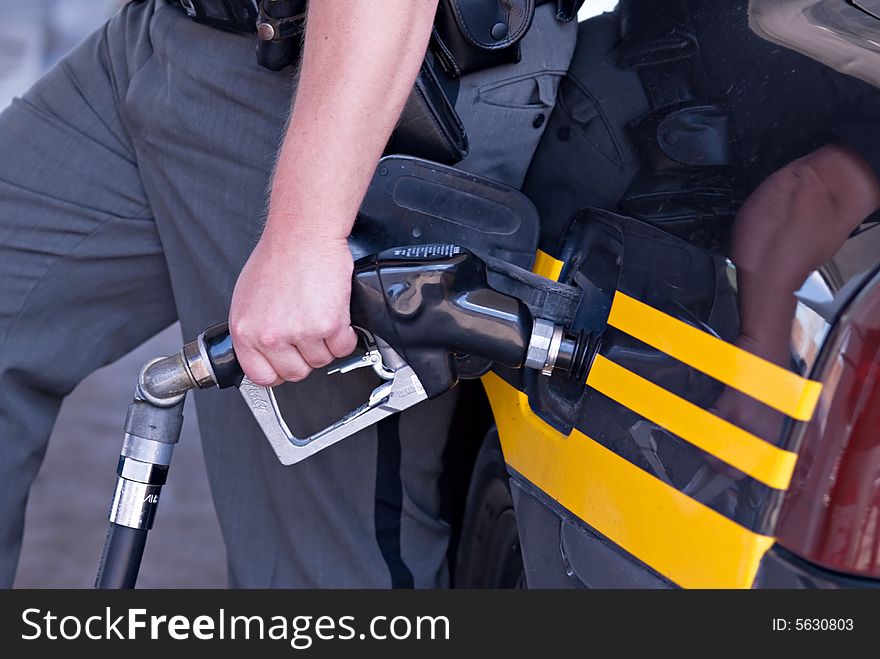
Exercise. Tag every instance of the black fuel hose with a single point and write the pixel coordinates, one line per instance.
(121, 558)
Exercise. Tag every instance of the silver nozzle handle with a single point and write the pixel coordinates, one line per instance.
(401, 392)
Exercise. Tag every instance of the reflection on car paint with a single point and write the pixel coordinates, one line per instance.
(640, 454)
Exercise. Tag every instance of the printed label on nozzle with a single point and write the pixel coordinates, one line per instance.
(426, 252)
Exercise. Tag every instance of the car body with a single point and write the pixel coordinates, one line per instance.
(645, 475)
(634, 480)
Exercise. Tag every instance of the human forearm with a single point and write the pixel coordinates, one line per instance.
(289, 311)
(359, 64)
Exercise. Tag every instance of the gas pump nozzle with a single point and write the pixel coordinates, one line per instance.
(418, 309)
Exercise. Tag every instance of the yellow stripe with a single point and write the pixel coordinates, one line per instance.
(689, 543)
(761, 460)
(546, 266)
(771, 384)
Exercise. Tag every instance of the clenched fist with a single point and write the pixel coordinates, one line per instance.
(290, 308)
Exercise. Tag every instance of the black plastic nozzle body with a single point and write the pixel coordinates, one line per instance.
(432, 303)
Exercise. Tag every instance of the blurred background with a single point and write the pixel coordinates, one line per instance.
(67, 510)
(36, 33)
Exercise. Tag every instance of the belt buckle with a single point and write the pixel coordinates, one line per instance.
(232, 15)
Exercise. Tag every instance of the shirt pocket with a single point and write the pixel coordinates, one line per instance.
(506, 123)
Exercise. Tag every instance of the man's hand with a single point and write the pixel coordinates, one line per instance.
(290, 308)
(289, 311)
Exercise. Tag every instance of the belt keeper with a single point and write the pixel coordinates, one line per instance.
(280, 35)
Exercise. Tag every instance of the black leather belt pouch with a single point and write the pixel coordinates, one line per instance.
(471, 35)
(429, 126)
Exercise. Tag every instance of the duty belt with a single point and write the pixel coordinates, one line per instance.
(468, 35)
(232, 15)
(241, 15)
